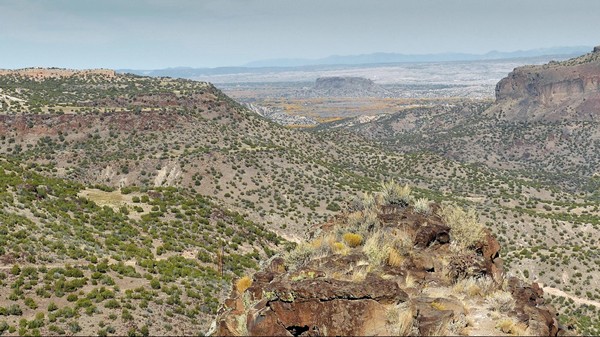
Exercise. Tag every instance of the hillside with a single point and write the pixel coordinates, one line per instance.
(543, 124)
(115, 137)
(89, 260)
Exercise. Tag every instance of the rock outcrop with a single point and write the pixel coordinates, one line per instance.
(280, 117)
(567, 90)
(409, 277)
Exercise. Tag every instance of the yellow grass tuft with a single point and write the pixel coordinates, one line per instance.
(395, 259)
(438, 306)
(339, 248)
(243, 284)
(316, 243)
(510, 326)
(352, 239)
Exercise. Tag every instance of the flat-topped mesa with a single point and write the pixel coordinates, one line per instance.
(567, 90)
(345, 86)
(340, 82)
(43, 73)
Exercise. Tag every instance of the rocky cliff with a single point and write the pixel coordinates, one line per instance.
(568, 90)
(397, 266)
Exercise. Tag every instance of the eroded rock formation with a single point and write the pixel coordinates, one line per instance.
(568, 90)
(412, 280)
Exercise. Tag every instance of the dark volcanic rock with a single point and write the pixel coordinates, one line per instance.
(324, 296)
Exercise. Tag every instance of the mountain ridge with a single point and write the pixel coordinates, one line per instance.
(354, 60)
(383, 57)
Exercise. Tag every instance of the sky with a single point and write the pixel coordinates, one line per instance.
(153, 34)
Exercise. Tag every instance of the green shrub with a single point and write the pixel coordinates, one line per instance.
(155, 283)
(14, 310)
(30, 303)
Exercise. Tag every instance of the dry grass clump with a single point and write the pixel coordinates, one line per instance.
(376, 248)
(466, 231)
(409, 281)
(362, 222)
(501, 301)
(352, 239)
(242, 284)
(299, 256)
(400, 320)
(421, 206)
(474, 286)
(365, 202)
(511, 326)
(457, 325)
(320, 247)
(395, 259)
(359, 273)
(384, 247)
(394, 194)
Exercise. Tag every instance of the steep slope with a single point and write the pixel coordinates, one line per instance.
(398, 266)
(77, 259)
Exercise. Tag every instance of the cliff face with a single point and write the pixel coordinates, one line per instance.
(400, 272)
(568, 90)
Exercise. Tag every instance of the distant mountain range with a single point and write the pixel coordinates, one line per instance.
(273, 65)
(399, 58)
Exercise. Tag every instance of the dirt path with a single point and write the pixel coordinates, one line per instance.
(578, 300)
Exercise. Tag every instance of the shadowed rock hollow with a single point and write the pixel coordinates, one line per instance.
(389, 266)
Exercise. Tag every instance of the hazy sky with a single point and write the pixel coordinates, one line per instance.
(146, 34)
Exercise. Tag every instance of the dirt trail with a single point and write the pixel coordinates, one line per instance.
(578, 300)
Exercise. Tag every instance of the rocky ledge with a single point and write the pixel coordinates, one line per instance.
(389, 268)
